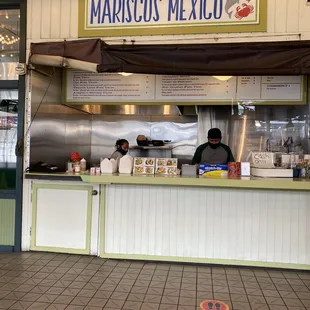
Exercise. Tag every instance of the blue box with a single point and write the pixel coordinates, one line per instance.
(205, 168)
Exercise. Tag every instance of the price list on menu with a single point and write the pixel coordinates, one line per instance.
(96, 87)
(281, 88)
(249, 88)
(202, 88)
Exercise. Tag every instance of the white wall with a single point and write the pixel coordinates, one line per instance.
(58, 19)
(208, 223)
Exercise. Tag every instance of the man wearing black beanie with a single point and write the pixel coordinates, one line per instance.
(213, 152)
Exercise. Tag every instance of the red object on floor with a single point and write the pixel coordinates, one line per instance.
(213, 305)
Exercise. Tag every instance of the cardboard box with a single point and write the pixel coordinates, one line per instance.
(205, 168)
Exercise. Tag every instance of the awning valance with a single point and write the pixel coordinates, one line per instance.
(276, 58)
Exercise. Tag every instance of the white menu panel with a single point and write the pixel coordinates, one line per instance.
(282, 79)
(275, 88)
(249, 87)
(98, 87)
(202, 88)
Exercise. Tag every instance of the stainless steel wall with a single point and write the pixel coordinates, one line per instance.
(182, 131)
(56, 130)
(247, 128)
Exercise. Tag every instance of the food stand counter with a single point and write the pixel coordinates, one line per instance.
(246, 221)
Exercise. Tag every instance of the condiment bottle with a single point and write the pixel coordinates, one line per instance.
(83, 164)
(77, 167)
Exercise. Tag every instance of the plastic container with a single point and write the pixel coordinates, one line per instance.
(77, 167)
(69, 166)
(189, 170)
(83, 164)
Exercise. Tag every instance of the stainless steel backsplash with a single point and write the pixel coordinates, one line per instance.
(105, 132)
(57, 130)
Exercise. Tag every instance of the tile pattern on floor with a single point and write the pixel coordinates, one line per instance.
(40, 281)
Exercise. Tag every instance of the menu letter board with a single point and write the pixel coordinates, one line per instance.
(96, 87)
(202, 88)
(114, 88)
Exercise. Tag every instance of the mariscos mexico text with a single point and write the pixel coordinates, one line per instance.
(109, 13)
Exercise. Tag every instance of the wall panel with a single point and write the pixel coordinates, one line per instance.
(46, 19)
(207, 223)
(286, 19)
(55, 19)
(280, 16)
(65, 16)
(36, 18)
(7, 221)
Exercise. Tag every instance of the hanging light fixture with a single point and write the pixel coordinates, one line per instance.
(125, 73)
(222, 78)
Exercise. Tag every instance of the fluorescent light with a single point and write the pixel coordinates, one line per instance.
(223, 78)
(125, 73)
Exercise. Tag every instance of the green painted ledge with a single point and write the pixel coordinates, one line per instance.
(240, 183)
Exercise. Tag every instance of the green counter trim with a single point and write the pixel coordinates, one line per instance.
(53, 176)
(245, 183)
(33, 246)
(242, 183)
(206, 261)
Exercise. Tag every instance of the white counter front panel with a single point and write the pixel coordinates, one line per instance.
(231, 224)
(61, 218)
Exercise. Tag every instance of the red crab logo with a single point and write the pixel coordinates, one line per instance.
(244, 10)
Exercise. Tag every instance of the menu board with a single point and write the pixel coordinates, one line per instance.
(97, 87)
(248, 87)
(281, 88)
(202, 88)
(115, 88)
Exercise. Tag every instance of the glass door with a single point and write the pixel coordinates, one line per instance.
(9, 114)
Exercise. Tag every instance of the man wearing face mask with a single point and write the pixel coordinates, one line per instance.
(213, 152)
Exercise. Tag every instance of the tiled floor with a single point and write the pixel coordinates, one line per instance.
(56, 281)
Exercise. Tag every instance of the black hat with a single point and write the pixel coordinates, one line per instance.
(214, 133)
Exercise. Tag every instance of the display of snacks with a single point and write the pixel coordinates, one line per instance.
(143, 170)
(144, 165)
(144, 161)
(169, 162)
(166, 166)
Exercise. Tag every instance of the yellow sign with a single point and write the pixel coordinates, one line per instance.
(101, 18)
